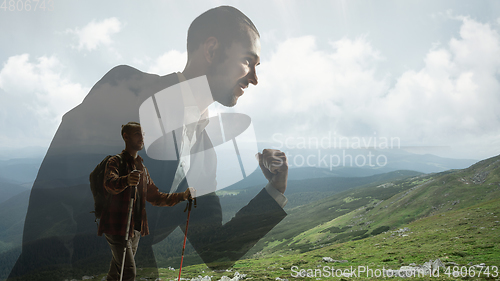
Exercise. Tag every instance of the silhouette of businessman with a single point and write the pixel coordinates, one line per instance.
(59, 235)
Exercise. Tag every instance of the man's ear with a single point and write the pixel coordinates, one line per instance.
(209, 48)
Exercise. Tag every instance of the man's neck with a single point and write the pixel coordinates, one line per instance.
(202, 101)
(132, 152)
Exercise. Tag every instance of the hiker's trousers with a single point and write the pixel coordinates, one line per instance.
(117, 244)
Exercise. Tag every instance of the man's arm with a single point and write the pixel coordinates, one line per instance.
(220, 245)
(158, 198)
(276, 195)
(113, 182)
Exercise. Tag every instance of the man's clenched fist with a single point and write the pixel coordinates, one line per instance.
(134, 177)
(190, 193)
(274, 166)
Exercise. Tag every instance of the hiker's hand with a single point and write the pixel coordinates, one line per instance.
(190, 193)
(274, 166)
(134, 177)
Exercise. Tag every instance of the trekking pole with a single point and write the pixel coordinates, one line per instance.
(188, 207)
(130, 206)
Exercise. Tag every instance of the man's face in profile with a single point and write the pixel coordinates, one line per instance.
(135, 138)
(231, 73)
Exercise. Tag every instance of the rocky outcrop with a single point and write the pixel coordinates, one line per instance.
(479, 177)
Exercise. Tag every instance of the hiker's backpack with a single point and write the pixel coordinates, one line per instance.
(97, 185)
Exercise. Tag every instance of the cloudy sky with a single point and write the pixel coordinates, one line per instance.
(426, 72)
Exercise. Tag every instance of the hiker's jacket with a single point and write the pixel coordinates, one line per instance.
(115, 213)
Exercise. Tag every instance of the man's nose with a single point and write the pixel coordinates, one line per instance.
(253, 77)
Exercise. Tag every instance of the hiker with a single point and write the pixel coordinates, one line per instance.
(123, 173)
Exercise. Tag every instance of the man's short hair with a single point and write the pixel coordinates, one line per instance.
(225, 23)
(127, 127)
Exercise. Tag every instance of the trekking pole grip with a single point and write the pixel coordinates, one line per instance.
(190, 204)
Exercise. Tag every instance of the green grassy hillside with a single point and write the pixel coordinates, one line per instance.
(452, 216)
(362, 212)
(299, 193)
(463, 237)
(442, 212)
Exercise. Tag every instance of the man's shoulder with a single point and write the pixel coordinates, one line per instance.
(124, 70)
(125, 80)
(120, 158)
(118, 161)
(129, 73)
(117, 158)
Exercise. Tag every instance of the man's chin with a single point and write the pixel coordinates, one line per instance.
(230, 102)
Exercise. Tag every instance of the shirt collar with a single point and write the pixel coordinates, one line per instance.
(129, 157)
(190, 105)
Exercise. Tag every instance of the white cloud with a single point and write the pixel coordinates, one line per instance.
(96, 33)
(34, 96)
(171, 61)
(453, 100)
(306, 91)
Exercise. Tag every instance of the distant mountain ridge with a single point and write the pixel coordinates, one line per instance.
(19, 170)
(22, 171)
(385, 160)
(9, 189)
(12, 215)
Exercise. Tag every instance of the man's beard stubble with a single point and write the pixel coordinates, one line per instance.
(226, 97)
